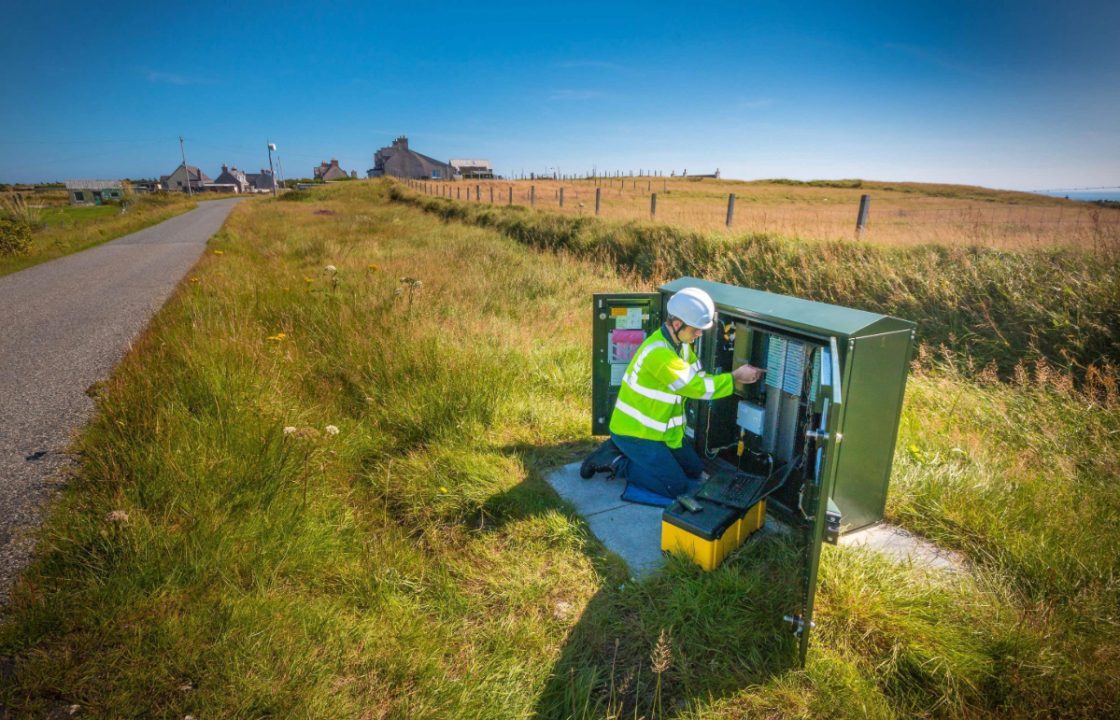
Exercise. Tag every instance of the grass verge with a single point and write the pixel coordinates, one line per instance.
(223, 552)
(65, 230)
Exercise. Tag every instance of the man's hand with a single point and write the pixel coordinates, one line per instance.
(747, 374)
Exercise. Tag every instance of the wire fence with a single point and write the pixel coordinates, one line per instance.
(820, 213)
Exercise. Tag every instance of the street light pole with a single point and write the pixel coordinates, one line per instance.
(186, 168)
(271, 147)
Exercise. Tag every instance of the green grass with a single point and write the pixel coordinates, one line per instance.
(417, 565)
(65, 230)
(71, 216)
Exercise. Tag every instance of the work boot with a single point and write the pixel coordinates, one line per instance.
(600, 460)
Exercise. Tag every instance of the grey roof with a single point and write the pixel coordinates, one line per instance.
(232, 175)
(193, 173)
(261, 181)
(93, 184)
(398, 160)
(330, 171)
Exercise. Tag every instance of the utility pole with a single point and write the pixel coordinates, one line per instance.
(271, 148)
(186, 168)
(280, 167)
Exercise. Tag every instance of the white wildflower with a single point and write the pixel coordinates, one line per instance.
(331, 430)
(331, 268)
(117, 516)
(290, 430)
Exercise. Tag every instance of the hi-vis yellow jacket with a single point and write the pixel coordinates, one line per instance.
(651, 400)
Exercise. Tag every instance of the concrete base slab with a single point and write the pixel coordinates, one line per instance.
(634, 533)
(904, 547)
(631, 531)
(588, 496)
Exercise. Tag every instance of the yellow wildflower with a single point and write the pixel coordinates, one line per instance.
(278, 337)
(219, 252)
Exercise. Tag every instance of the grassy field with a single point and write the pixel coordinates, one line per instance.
(900, 213)
(63, 229)
(314, 488)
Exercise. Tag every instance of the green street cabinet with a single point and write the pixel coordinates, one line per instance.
(818, 433)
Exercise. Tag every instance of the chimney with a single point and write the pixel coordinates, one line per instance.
(224, 168)
(401, 142)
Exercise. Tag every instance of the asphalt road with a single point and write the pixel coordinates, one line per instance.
(64, 325)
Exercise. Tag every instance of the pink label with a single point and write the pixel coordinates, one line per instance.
(624, 343)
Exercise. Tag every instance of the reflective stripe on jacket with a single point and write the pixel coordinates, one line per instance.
(651, 399)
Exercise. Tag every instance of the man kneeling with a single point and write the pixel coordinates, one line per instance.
(647, 426)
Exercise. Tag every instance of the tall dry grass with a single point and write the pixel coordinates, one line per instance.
(902, 214)
(996, 308)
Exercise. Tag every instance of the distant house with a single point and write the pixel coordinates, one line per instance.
(94, 192)
(235, 179)
(182, 177)
(398, 161)
(473, 169)
(264, 181)
(330, 171)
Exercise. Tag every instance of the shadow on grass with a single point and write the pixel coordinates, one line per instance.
(678, 638)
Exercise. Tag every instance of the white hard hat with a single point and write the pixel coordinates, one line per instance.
(694, 307)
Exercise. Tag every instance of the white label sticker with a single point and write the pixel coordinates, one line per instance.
(632, 320)
(617, 373)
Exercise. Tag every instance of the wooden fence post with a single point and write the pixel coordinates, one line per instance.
(653, 205)
(561, 197)
(598, 197)
(861, 219)
(730, 209)
(532, 196)
(510, 195)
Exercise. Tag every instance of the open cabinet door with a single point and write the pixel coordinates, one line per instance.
(621, 322)
(828, 447)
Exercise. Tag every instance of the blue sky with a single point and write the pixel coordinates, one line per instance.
(1021, 95)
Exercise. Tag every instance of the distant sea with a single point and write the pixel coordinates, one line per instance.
(1111, 195)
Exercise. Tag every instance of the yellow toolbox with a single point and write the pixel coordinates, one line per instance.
(708, 536)
(751, 521)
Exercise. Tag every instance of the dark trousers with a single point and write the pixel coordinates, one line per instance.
(653, 465)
